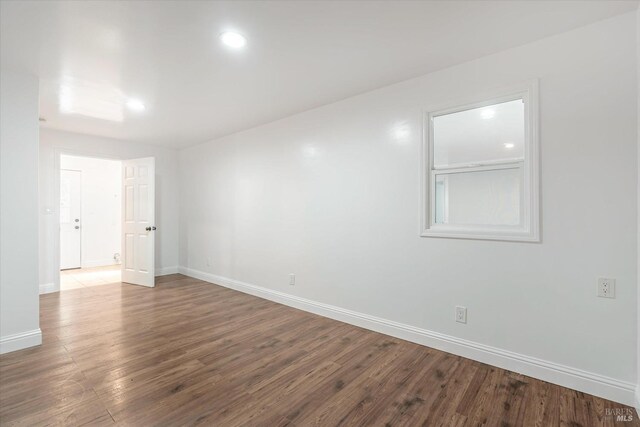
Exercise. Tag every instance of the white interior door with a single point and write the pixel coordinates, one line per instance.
(70, 221)
(138, 221)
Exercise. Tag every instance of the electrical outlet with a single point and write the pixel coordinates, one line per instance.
(606, 287)
(461, 314)
(292, 279)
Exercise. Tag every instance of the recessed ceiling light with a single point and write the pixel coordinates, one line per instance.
(135, 105)
(233, 40)
(509, 145)
(488, 113)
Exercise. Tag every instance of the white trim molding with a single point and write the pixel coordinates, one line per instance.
(163, 271)
(637, 402)
(20, 341)
(566, 376)
(47, 288)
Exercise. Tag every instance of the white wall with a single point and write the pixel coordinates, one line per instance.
(101, 209)
(332, 195)
(19, 317)
(53, 142)
(637, 403)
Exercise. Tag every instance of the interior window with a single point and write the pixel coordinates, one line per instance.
(481, 173)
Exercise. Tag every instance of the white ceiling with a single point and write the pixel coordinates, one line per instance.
(299, 54)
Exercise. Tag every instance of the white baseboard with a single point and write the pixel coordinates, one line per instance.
(637, 403)
(163, 271)
(566, 376)
(47, 288)
(19, 341)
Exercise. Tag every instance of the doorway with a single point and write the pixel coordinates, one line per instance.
(90, 221)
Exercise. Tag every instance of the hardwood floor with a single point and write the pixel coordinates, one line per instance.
(192, 353)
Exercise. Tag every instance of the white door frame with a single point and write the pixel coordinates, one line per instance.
(58, 152)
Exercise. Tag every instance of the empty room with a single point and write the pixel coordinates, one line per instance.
(328, 213)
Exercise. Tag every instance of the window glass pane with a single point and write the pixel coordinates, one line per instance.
(440, 217)
(486, 134)
(487, 197)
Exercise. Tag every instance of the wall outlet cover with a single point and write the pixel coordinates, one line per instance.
(606, 287)
(461, 314)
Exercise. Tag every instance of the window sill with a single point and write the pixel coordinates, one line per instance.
(482, 234)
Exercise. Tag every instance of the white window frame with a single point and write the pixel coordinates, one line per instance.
(529, 228)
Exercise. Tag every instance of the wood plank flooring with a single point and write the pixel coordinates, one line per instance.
(192, 353)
